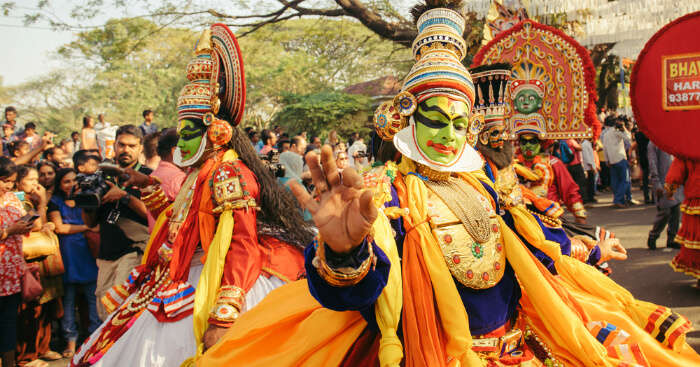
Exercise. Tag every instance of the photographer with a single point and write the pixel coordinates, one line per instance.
(615, 138)
(122, 217)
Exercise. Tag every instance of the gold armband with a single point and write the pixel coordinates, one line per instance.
(156, 200)
(344, 277)
(670, 188)
(229, 303)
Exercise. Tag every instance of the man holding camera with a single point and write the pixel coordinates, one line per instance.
(615, 137)
(122, 218)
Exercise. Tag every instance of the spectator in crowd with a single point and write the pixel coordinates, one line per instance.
(170, 176)
(7, 138)
(357, 153)
(56, 156)
(66, 146)
(279, 131)
(254, 137)
(36, 316)
(12, 265)
(341, 159)
(47, 176)
(604, 173)
(615, 137)
(88, 139)
(150, 150)
(30, 136)
(79, 264)
(261, 143)
(588, 162)
(269, 138)
(332, 139)
(86, 161)
(22, 153)
(148, 126)
(314, 144)
(668, 209)
(75, 137)
(105, 137)
(122, 218)
(293, 159)
(641, 144)
(11, 119)
(283, 145)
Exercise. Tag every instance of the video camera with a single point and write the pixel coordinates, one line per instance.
(89, 190)
(272, 162)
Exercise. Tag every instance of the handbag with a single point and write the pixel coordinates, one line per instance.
(31, 287)
(38, 245)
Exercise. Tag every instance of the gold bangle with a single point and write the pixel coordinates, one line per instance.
(342, 278)
(229, 304)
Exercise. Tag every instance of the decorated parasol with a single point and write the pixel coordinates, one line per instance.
(665, 87)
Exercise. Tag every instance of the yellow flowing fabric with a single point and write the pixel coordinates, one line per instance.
(604, 299)
(388, 306)
(160, 222)
(289, 328)
(210, 280)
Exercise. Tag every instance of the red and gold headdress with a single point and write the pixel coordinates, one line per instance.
(215, 94)
(554, 69)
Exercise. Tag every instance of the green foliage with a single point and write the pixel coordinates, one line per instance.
(309, 55)
(320, 112)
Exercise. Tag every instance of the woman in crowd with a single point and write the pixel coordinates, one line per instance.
(88, 138)
(47, 176)
(80, 267)
(36, 316)
(12, 229)
(332, 138)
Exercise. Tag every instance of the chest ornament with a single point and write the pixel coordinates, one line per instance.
(466, 227)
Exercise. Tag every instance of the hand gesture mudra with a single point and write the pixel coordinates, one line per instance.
(344, 211)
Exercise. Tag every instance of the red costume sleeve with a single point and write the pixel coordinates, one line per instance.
(677, 173)
(566, 189)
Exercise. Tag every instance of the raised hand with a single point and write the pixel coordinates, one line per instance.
(343, 211)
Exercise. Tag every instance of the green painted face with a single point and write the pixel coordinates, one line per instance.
(527, 101)
(190, 137)
(441, 128)
(529, 146)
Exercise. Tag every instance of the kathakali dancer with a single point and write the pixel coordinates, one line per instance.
(221, 246)
(418, 245)
(551, 96)
(491, 83)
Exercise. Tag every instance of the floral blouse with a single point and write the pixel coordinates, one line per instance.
(11, 258)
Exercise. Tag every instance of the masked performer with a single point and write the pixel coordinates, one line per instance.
(491, 86)
(686, 172)
(465, 289)
(220, 246)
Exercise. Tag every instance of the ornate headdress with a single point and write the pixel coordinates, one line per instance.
(491, 84)
(215, 94)
(551, 68)
(438, 71)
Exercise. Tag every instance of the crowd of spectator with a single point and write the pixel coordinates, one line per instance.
(59, 256)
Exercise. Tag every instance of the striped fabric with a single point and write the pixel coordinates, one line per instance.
(667, 326)
(630, 355)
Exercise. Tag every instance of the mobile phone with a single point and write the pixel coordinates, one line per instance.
(31, 218)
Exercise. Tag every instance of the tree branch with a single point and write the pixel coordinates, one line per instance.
(400, 32)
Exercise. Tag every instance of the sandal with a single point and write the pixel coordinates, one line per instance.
(51, 356)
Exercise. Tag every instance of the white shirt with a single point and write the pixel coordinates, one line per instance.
(357, 146)
(614, 144)
(587, 155)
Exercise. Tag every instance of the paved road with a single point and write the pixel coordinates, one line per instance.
(646, 273)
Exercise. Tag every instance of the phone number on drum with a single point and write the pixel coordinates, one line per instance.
(684, 97)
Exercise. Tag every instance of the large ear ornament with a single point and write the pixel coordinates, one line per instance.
(484, 137)
(406, 103)
(388, 121)
(476, 124)
(220, 132)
